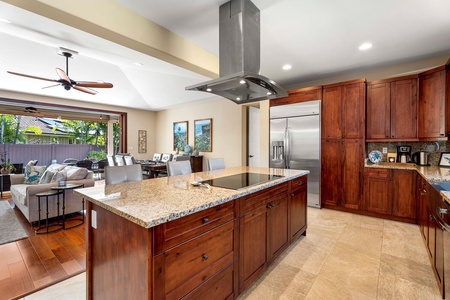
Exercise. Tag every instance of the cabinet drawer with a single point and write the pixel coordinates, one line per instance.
(175, 232)
(183, 268)
(220, 286)
(299, 182)
(253, 201)
(372, 172)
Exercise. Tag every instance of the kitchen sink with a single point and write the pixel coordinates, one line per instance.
(442, 185)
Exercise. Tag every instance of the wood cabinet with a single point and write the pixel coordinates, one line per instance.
(343, 110)
(196, 163)
(298, 203)
(264, 231)
(392, 109)
(377, 190)
(342, 178)
(390, 192)
(299, 95)
(432, 106)
(404, 194)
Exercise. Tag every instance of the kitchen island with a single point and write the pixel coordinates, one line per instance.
(167, 239)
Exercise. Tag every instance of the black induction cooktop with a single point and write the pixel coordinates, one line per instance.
(240, 181)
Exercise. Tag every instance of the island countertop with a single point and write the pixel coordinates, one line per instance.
(149, 203)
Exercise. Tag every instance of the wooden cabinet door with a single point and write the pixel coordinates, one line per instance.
(432, 105)
(353, 114)
(298, 210)
(377, 194)
(278, 226)
(352, 167)
(331, 175)
(421, 196)
(331, 113)
(378, 111)
(404, 194)
(253, 246)
(404, 109)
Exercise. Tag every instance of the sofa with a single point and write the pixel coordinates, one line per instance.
(24, 193)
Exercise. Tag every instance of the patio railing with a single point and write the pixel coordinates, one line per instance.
(46, 153)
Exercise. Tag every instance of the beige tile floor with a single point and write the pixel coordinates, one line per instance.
(343, 256)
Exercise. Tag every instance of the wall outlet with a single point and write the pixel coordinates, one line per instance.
(94, 219)
(384, 150)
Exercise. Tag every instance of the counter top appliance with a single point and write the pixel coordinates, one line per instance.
(404, 154)
(420, 158)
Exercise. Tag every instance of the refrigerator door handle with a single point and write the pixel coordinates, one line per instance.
(287, 148)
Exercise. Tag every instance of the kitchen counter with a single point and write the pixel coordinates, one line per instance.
(430, 174)
(152, 202)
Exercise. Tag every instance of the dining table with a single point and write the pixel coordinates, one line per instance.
(153, 168)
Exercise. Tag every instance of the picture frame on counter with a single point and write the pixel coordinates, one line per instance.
(444, 161)
(203, 135)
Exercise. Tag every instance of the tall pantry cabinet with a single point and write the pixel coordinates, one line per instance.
(343, 127)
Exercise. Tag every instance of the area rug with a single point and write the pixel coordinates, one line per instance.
(10, 228)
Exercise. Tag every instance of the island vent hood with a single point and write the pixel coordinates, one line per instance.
(239, 57)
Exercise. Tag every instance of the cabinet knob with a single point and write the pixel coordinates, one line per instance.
(205, 256)
(292, 195)
(205, 220)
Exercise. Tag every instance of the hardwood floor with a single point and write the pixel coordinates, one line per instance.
(33, 263)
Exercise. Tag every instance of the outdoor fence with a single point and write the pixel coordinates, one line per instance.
(46, 153)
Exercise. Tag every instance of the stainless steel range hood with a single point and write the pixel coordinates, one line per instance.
(239, 57)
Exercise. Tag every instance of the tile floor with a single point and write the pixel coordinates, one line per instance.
(343, 256)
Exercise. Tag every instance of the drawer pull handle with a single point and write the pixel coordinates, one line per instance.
(205, 256)
(292, 195)
(205, 220)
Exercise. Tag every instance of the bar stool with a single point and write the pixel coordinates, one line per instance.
(58, 225)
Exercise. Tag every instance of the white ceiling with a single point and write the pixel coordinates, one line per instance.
(318, 38)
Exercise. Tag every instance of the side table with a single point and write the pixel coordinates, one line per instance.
(57, 225)
(1, 183)
(63, 190)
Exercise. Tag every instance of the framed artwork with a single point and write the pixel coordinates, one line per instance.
(203, 135)
(180, 135)
(142, 141)
(445, 160)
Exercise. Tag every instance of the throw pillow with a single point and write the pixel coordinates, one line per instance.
(32, 163)
(59, 176)
(33, 174)
(47, 177)
(56, 167)
(75, 173)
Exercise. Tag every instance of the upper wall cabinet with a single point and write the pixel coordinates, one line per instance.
(300, 95)
(392, 109)
(343, 108)
(432, 106)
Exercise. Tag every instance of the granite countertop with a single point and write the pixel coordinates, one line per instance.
(152, 202)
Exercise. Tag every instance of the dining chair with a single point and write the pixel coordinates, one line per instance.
(120, 174)
(111, 162)
(216, 164)
(128, 160)
(166, 157)
(119, 160)
(179, 167)
(157, 157)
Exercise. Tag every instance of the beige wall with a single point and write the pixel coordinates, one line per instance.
(137, 119)
(226, 134)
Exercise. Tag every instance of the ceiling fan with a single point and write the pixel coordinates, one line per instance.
(66, 82)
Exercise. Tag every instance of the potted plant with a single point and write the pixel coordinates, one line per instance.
(7, 167)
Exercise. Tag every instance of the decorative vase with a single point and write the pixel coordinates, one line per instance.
(5, 170)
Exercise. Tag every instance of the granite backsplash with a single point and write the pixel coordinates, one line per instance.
(434, 148)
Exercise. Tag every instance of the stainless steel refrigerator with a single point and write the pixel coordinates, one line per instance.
(295, 142)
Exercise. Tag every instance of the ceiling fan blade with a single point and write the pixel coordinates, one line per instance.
(95, 84)
(62, 75)
(86, 90)
(31, 76)
(46, 87)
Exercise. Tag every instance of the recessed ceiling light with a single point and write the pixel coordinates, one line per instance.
(269, 93)
(4, 20)
(365, 46)
(287, 67)
(208, 90)
(242, 81)
(139, 64)
(238, 99)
